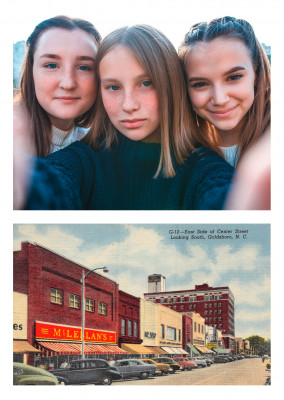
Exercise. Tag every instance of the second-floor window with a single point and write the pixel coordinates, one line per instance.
(123, 327)
(135, 329)
(90, 305)
(162, 331)
(73, 301)
(56, 296)
(129, 328)
(102, 308)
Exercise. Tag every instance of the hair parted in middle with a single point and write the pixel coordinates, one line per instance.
(158, 57)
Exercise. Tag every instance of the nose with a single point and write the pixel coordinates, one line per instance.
(68, 79)
(130, 101)
(219, 95)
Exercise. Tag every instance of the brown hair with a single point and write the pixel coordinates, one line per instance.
(159, 58)
(41, 126)
(258, 117)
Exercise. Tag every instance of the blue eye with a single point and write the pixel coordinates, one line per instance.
(146, 83)
(199, 85)
(84, 68)
(113, 88)
(235, 77)
(51, 66)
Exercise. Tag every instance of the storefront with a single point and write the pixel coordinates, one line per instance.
(59, 343)
(21, 347)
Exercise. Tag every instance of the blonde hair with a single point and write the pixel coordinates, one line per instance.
(257, 119)
(159, 58)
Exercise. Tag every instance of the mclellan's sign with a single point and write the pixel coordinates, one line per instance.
(62, 332)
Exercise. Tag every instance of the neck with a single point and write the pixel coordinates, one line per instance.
(230, 137)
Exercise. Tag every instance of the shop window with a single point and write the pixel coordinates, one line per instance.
(90, 305)
(73, 301)
(130, 328)
(123, 327)
(56, 296)
(102, 308)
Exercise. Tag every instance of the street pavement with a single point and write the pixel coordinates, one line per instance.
(241, 372)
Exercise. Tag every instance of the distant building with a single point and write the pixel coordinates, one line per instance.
(214, 304)
(128, 318)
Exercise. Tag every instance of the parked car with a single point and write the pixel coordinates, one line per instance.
(208, 361)
(167, 360)
(132, 367)
(268, 366)
(24, 374)
(84, 371)
(185, 364)
(161, 368)
(220, 359)
(200, 363)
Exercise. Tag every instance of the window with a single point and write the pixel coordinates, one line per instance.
(73, 301)
(210, 305)
(182, 299)
(205, 305)
(171, 333)
(205, 312)
(163, 331)
(179, 335)
(174, 300)
(215, 311)
(129, 328)
(123, 327)
(102, 308)
(90, 305)
(215, 305)
(174, 307)
(190, 306)
(194, 305)
(220, 304)
(219, 311)
(182, 307)
(135, 329)
(162, 300)
(202, 326)
(210, 311)
(194, 326)
(198, 328)
(56, 296)
(210, 319)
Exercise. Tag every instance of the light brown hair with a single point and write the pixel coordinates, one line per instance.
(41, 125)
(159, 58)
(258, 117)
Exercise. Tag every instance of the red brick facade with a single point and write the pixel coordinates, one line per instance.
(129, 318)
(39, 272)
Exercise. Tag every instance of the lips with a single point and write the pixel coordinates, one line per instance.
(133, 123)
(67, 99)
(223, 113)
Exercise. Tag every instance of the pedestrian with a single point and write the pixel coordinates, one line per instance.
(58, 86)
(228, 80)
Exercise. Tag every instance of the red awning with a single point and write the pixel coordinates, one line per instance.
(76, 348)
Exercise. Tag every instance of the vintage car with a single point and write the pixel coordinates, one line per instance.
(24, 374)
(84, 371)
(268, 366)
(161, 368)
(132, 367)
(200, 363)
(167, 360)
(185, 364)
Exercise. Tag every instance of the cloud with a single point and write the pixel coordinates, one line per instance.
(252, 316)
(251, 293)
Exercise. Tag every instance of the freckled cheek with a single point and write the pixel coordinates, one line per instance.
(45, 85)
(112, 105)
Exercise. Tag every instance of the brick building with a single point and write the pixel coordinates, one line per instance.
(214, 304)
(128, 318)
(52, 284)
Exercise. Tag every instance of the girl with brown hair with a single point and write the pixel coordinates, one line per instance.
(58, 85)
(228, 79)
(137, 154)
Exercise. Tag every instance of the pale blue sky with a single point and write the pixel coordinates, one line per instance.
(132, 252)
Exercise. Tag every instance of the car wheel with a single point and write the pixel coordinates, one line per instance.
(106, 381)
(144, 375)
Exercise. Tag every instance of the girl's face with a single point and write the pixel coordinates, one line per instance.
(64, 74)
(220, 77)
(129, 96)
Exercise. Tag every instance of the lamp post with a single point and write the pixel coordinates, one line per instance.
(84, 276)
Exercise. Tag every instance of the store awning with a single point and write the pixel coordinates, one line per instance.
(76, 348)
(220, 351)
(204, 349)
(155, 350)
(170, 350)
(181, 351)
(193, 349)
(23, 347)
(133, 348)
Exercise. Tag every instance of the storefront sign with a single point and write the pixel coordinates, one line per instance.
(211, 345)
(62, 332)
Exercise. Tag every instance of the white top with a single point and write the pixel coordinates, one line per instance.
(61, 139)
(230, 154)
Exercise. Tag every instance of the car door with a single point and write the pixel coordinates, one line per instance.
(123, 367)
(136, 368)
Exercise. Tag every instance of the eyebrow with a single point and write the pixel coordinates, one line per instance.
(138, 78)
(234, 69)
(57, 57)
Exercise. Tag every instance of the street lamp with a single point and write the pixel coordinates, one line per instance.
(84, 276)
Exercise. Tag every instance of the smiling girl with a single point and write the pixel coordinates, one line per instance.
(137, 154)
(228, 80)
(58, 86)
